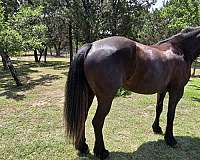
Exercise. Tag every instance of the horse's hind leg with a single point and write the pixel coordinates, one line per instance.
(98, 121)
(159, 107)
(82, 147)
(174, 97)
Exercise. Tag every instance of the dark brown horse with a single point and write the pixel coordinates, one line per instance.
(102, 67)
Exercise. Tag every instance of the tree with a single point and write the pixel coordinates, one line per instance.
(19, 32)
(9, 42)
(124, 17)
(56, 19)
(154, 28)
(182, 13)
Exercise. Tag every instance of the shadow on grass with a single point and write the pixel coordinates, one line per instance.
(25, 65)
(13, 92)
(196, 99)
(188, 148)
(24, 69)
(196, 76)
(195, 86)
(197, 63)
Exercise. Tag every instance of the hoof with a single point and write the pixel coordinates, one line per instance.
(170, 140)
(102, 155)
(83, 150)
(157, 130)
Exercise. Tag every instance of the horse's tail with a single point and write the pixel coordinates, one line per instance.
(76, 96)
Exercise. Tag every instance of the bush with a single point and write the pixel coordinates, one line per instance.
(123, 92)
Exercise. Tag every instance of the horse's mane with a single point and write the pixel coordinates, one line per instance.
(168, 39)
(187, 32)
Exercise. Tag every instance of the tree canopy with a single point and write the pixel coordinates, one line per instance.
(28, 24)
(21, 30)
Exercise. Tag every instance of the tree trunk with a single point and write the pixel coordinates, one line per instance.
(86, 6)
(70, 43)
(194, 71)
(114, 18)
(194, 68)
(41, 53)
(36, 56)
(4, 63)
(88, 34)
(11, 68)
(50, 50)
(45, 54)
(57, 48)
(76, 41)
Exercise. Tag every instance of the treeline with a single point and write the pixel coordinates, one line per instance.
(64, 25)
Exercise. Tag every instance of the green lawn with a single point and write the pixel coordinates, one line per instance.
(31, 119)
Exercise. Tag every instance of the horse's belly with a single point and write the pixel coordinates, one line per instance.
(146, 86)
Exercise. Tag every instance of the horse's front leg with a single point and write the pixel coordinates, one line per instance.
(174, 96)
(159, 107)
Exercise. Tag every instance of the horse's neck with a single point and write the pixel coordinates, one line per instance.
(192, 55)
(189, 49)
(189, 56)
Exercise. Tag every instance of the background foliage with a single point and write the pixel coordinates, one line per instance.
(29, 24)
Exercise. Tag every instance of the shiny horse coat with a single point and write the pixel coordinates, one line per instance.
(102, 67)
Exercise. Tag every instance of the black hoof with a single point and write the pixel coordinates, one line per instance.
(157, 130)
(102, 155)
(83, 149)
(170, 140)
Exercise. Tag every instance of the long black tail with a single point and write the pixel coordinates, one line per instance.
(76, 96)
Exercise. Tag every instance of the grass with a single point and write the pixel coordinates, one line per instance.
(31, 123)
(197, 63)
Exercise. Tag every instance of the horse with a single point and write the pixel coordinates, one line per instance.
(102, 67)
